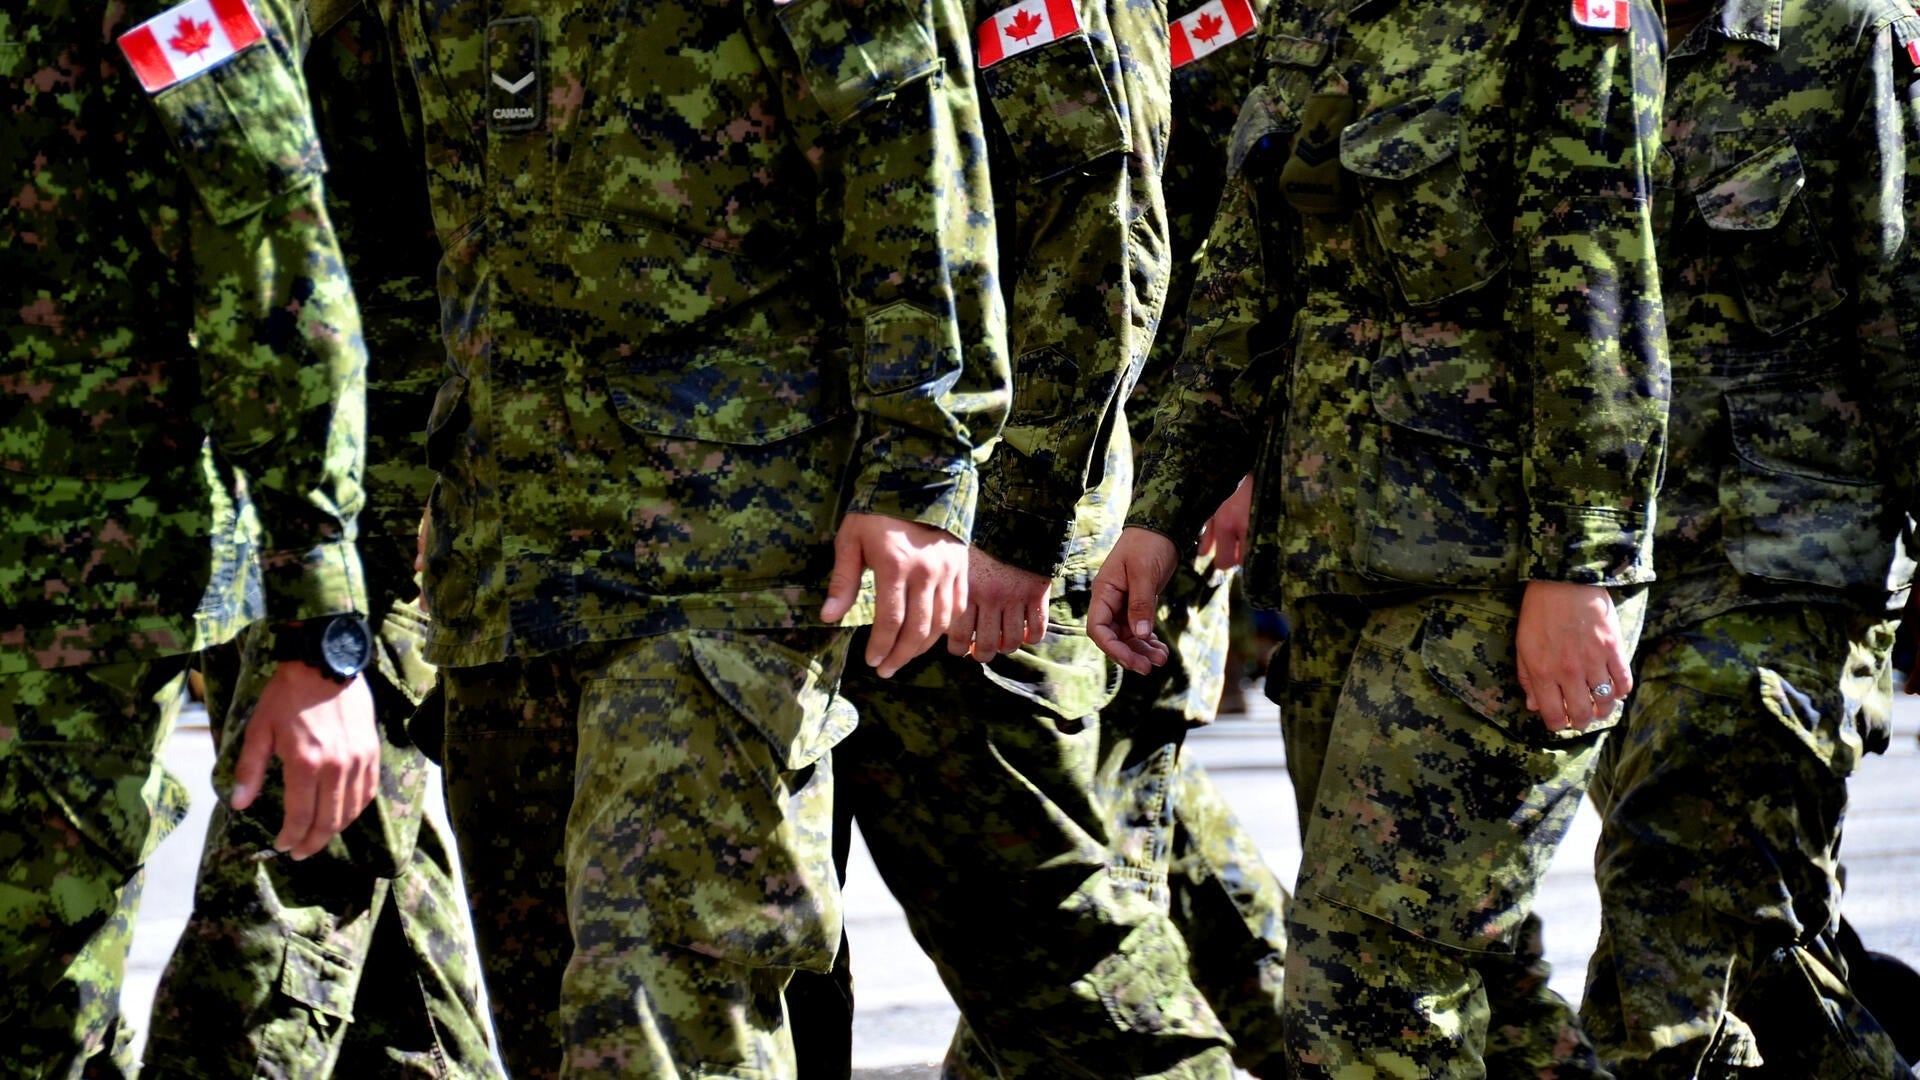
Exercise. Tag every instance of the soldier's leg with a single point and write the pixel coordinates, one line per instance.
(1721, 803)
(84, 800)
(700, 851)
(1440, 802)
(979, 801)
(510, 749)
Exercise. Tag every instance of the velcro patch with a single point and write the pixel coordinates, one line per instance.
(515, 96)
(187, 39)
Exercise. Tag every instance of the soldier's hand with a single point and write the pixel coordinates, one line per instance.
(323, 732)
(919, 579)
(1126, 594)
(1006, 608)
(1224, 536)
(1568, 643)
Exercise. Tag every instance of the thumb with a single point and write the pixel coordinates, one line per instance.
(843, 584)
(256, 749)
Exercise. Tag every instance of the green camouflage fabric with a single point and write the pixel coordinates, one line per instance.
(1411, 950)
(1786, 187)
(276, 974)
(1722, 796)
(1431, 287)
(990, 812)
(84, 800)
(665, 863)
(172, 275)
(359, 957)
(705, 277)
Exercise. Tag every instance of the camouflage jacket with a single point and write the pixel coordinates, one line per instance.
(377, 199)
(705, 271)
(1429, 304)
(1077, 97)
(172, 273)
(1789, 183)
(1211, 77)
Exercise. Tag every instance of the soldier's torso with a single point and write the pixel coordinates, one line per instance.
(1771, 493)
(1378, 147)
(651, 417)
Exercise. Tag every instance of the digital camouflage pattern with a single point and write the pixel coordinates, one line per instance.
(1787, 188)
(174, 275)
(702, 264)
(1722, 797)
(83, 801)
(1411, 950)
(199, 291)
(1428, 315)
(698, 863)
(360, 956)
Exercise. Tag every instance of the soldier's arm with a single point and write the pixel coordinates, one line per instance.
(1585, 305)
(1881, 176)
(898, 129)
(282, 370)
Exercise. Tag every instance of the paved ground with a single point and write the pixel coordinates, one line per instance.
(905, 1016)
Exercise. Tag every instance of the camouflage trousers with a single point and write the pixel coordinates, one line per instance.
(987, 797)
(354, 962)
(646, 831)
(1721, 798)
(1227, 904)
(84, 800)
(1436, 804)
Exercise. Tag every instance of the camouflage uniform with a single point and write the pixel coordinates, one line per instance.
(1788, 181)
(706, 271)
(1024, 834)
(1429, 316)
(1227, 903)
(170, 266)
(358, 959)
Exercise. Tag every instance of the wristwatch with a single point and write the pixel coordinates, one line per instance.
(340, 646)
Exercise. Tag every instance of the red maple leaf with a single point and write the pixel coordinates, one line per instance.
(1024, 25)
(1207, 27)
(190, 37)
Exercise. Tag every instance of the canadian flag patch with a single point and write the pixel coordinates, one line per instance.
(187, 39)
(1208, 28)
(1600, 14)
(1026, 25)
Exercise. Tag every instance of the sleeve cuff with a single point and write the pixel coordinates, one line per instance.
(324, 580)
(942, 498)
(1588, 546)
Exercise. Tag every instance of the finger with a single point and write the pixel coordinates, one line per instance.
(300, 810)
(250, 772)
(329, 810)
(1036, 618)
(960, 634)
(1013, 627)
(916, 627)
(1209, 538)
(843, 583)
(889, 612)
(1527, 683)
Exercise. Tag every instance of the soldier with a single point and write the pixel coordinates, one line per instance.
(359, 960)
(171, 266)
(1025, 836)
(707, 269)
(1430, 318)
(1789, 185)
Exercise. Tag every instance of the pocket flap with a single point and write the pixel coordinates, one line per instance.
(1404, 141)
(1261, 132)
(855, 54)
(1055, 106)
(720, 396)
(784, 694)
(318, 979)
(1754, 195)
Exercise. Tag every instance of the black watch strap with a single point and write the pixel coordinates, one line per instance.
(339, 646)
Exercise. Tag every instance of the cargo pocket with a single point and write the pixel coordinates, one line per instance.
(1470, 655)
(1055, 106)
(856, 55)
(1766, 232)
(244, 132)
(1424, 220)
(1799, 495)
(1447, 507)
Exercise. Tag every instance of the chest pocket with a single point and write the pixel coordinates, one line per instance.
(243, 132)
(1765, 232)
(1055, 106)
(856, 55)
(1414, 195)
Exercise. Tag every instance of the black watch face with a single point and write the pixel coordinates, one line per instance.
(346, 646)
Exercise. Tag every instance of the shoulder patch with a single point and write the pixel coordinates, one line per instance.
(1208, 28)
(1026, 25)
(187, 39)
(1600, 14)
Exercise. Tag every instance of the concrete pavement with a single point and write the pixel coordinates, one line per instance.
(905, 1017)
